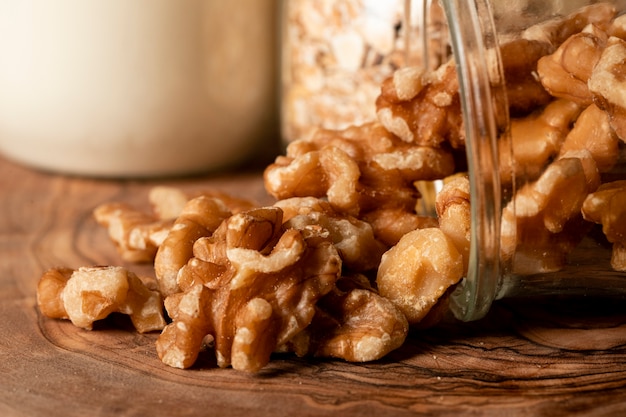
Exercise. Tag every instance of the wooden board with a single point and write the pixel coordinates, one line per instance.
(527, 358)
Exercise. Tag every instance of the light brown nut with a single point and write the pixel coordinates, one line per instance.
(509, 226)
(390, 224)
(372, 144)
(454, 214)
(537, 138)
(252, 342)
(592, 131)
(328, 172)
(353, 323)
(589, 165)
(353, 238)
(342, 176)
(519, 64)
(295, 176)
(607, 84)
(200, 217)
(180, 342)
(416, 272)
(558, 30)
(607, 206)
(87, 295)
(264, 292)
(168, 202)
(565, 73)
(403, 85)
(137, 235)
(618, 27)
(49, 291)
(296, 206)
(557, 196)
(542, 223)
(382, 189)
(291, 286)
(422, 163)
(200, 270)
(582, 51)
(429, 118)
(529, 248)
(358, 170)
(618, 257)
(360, 142)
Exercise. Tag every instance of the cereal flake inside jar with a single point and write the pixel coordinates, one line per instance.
(337, 53)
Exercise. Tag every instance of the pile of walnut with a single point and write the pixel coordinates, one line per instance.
(342, 264)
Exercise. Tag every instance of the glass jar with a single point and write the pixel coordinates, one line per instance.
(538, 151)
(544, 218)
(137, 89)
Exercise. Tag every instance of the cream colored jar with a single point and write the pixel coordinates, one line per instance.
(131, 88)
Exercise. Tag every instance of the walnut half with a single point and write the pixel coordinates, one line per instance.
(89, 294)
(418, 271)
(262, 292)
(352, 322)
(607, 206)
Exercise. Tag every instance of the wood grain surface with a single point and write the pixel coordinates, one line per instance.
(534, 357)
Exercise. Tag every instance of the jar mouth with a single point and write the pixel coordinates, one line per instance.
(484, 101)
(536, 187)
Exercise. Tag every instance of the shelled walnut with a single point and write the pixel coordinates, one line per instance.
(136, 234)
(364, 171)
(543, 223)
(264, 293)
(429, 115)
(607, 83)
(352, 322)
(416, 272)
(87, 295)
(169, 202)
(565, 73)
(607, 206)
(537, 138)
(354, 239)
(592, 132)
(454, 213)
(199, 217)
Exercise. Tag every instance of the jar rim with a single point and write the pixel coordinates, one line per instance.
(484, 106)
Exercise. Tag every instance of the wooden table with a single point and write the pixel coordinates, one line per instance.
(545, 357)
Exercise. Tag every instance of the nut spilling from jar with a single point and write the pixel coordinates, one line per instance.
(564, 83)
(346, 261)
